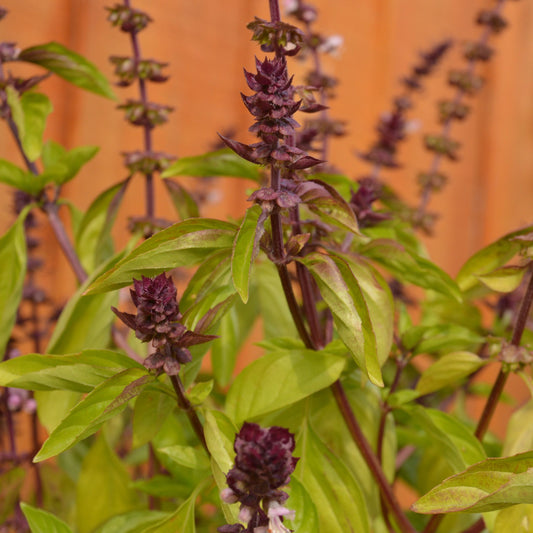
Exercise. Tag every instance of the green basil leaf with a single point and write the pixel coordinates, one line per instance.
(60, 165)
(104, 402)
(94, 243)
(41, 521)
(183, 201)
(280, 379)
(69, 65)
(103, 488)
(490, 258)
(29, 112)
(132, 521)
(410, 267)
(343, 296)
(13, 257)
(449, 370)
(79, 372)
(504, 279)
(152, 407)
(223, 162)
(183, 244)
(333, 489)
(245, 250)
(487, 486)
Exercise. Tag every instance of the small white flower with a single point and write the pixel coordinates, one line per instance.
(331, 45)
(275, 512)
(228, 496)
(291, 6)
(245, 514)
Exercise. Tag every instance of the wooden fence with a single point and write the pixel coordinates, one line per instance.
(207, 45)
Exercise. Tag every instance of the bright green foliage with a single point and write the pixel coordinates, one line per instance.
(245, 250)
(85, 321)
(185, 205)
(219, 163)
(182, 244)
(331, 207)
(448, 436)
(409, 267)
(13, 257)
(132, 521)
(152, 407)
(306, 520)
(104, 402)
(79, 372)
(334, 491)
(29, 113)
(103, 489)
(69, 65)
(234, 328)
(280, 379)
(42, 521)
(487, 486)
(342, 293)
(490, 259)
(519, 435)
(448, 370)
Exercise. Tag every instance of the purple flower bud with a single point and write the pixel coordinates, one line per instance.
(128, 19)
(263, 464)
(157, 321)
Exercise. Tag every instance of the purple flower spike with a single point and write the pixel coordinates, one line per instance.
(157, 321)
(263, 464)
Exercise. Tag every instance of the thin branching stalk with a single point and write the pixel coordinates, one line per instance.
(499, 384)
(147, 130)
(447, 124)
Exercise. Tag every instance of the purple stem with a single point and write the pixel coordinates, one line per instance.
(459, 95)
(184, 404)
(149, 184)
(337, 388)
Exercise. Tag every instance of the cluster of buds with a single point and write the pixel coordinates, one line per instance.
(273, 103)
(9, 51)
(129, 70)
(128, 19)
(158, 321)
(467, 83)
(392, 128)
(263, 464)
(362, 201)
(316, 131)
(273, 106)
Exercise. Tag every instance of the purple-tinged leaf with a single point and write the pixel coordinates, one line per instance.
(241, 149)
(92, 411)
(219, 163)
(183, 244)
(486, 486)
(68, 65)
(328, 204)
(306, 161)
(343, 296)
